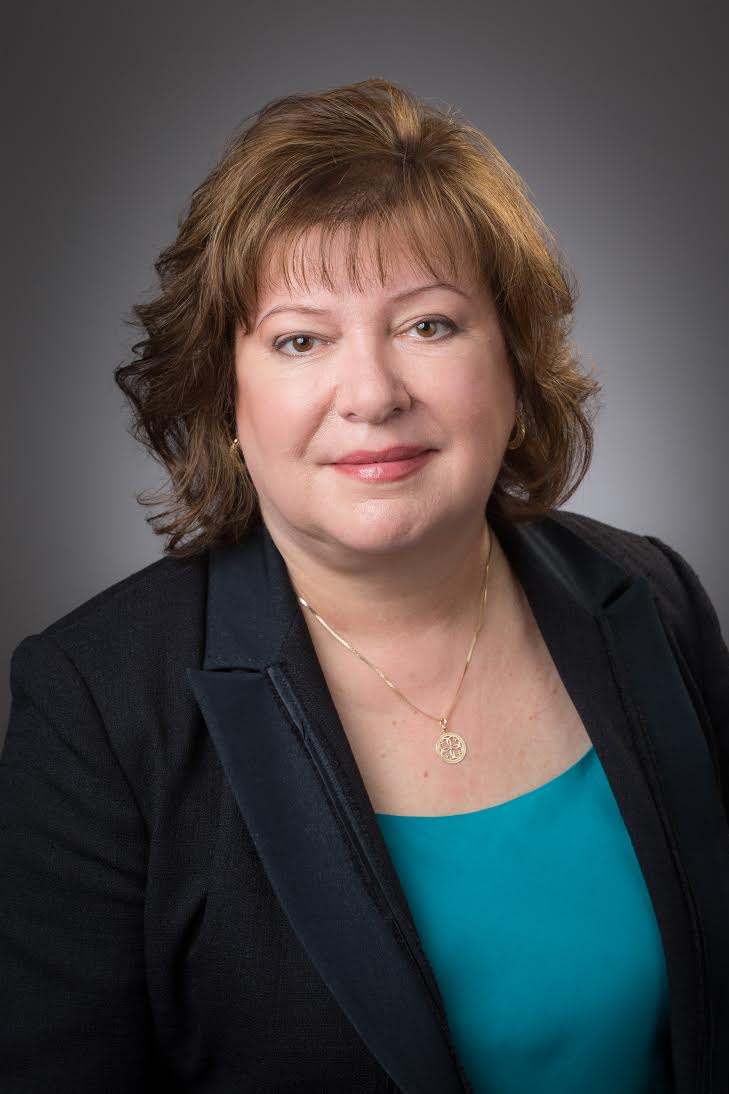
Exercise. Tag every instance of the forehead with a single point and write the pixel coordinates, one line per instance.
(345, 262)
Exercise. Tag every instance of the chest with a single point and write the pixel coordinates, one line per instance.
(519, 724)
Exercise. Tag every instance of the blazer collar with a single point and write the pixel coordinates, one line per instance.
(252, 604)
(287, 758)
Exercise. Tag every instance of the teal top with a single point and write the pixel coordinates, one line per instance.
(539, 928)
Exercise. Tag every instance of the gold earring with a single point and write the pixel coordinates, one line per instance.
(233, 447)
(521, 434)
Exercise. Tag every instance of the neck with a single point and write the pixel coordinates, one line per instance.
(430, 590)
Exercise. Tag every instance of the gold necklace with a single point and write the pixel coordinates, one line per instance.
(450, 746)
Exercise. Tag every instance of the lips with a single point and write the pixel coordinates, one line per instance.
(385, 455)
(382, 467)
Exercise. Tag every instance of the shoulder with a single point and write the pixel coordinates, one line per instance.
(671, 577)
(126, 632)
(108, 679)
(683, 604)
(162, 589)
(637, 553)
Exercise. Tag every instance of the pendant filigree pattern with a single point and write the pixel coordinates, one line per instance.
(451, 747)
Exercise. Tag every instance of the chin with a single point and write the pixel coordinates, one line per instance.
(377, 526)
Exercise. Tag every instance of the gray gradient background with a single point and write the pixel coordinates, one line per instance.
(611, 112)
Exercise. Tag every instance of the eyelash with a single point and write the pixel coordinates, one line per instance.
(452, 328)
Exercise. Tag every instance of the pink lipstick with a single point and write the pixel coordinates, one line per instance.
(388, 465)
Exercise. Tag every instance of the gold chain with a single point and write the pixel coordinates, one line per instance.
(450, 746)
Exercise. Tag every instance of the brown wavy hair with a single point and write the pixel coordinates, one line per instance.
(368, 154)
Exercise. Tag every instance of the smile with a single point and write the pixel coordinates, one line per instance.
(386, 471)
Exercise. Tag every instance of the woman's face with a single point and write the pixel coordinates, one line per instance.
(404, 364)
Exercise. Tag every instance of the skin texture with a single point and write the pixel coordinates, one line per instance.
(373, 558)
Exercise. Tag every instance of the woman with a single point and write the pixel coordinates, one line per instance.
(390, 776)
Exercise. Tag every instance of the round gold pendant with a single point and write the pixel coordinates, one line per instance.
(451, 747)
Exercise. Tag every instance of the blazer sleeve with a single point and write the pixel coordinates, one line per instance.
(75, 1012)
(703, 657)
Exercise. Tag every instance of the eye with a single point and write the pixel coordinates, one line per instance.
(294, 338)
(433, 320)
(302, 351)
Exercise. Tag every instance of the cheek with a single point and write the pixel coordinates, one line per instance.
(479, 399)
(272, 421)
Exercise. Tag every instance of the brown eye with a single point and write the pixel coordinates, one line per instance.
(299, 341)
(432, 322)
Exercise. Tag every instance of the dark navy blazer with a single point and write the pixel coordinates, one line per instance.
(196, 895)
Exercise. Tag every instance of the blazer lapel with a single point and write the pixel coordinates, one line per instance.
(284, 751)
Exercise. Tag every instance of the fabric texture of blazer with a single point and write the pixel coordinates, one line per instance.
(196, 895)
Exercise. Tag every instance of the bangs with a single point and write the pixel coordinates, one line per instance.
(426, 232)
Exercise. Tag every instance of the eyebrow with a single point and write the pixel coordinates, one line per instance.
(309, 310)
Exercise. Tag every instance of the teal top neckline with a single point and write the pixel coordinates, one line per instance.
(500, 805)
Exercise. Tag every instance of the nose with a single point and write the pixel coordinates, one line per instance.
(369, 384)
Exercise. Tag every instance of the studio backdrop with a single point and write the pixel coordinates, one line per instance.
(612, 114)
